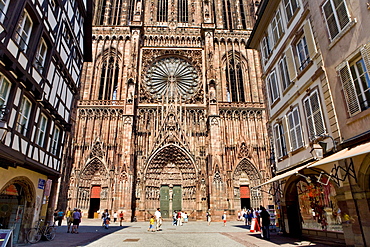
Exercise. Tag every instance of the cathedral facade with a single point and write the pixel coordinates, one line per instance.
(171, 111)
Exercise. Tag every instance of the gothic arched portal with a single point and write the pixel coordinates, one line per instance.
(170, 180)
(246, 176)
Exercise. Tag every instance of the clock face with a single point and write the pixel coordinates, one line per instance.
(171, 77)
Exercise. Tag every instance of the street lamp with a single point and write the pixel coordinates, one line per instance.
(317, 151)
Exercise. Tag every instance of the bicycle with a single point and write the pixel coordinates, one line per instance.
(34, 234)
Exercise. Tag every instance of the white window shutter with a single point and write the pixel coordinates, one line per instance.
(365, 53)
(349, 90)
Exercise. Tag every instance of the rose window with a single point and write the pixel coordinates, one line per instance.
(171, 77)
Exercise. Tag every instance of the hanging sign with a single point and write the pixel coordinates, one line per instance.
(41, 184)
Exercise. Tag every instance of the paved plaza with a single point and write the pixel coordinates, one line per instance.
(194, 233)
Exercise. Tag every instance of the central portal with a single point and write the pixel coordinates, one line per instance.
(170, 200)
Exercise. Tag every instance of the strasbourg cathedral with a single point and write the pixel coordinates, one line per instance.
(171, 111)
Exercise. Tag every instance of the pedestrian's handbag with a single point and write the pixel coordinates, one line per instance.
(107, 221)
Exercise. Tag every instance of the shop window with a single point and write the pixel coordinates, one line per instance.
(5, 86)
(23, 32)
(356, 84)
(273, 87)
(336, 16)
(55, 141)
(315, 120)
(280, 143)
(295, 130)
(24, 116)
(318, 206)
(41, 130)
(290, 8)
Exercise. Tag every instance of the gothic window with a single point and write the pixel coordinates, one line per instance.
(234, 79)
(242, 14)
(109, 79)
(162, 14)
(101, 11)
(131, 10)
(226, 14)
(183, 11)
(115, 12)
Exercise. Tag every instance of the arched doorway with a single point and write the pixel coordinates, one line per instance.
(17, 198)
(171, 181)
(245, 177)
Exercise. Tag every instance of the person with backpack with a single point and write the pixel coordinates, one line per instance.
(106, 219)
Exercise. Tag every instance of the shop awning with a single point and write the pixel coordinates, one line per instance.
(283, 175)
(344, 154)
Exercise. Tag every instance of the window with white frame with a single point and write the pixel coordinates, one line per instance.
(356, 85)
(302, 53)
(265, 47)
(5, 86)
(295, 129)
(41, 132)
(24, 29)
(336, 16)
(284, 73)
(24, 116)
(315, 120)
(4, 4)
(277, 27)
(290, 8)
(41, 55)
(280, 143)
(273, 87)
(55, 141)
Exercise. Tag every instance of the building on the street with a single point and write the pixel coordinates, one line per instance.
(42, 48)
(171, 111)
(315, 58)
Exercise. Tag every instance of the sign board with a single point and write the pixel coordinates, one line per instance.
(6, 238)
(41, 184)
(48, 187)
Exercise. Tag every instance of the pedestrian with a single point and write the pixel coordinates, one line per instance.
(60, 216)
(224, 218)
(151, 224)
(76, 221)
(179, 223)
(115, 216)
(69, 216)
(158, 218)
(106, 219)
(120, 218)
(265, 216)
(250, 216)
(186, 217)
(55, 215)
(174, 218)
(208, 215)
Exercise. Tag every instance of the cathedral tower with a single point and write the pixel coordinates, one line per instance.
(171, 110)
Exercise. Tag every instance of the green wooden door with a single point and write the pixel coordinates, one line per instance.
(164, 200)
(177, 198)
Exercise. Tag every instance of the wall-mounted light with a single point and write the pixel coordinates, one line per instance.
(317, 151)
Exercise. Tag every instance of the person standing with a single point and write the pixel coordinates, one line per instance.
(158, 218)
(106, 219)
(174, 218)
(69, 216)
(60, 216)
(179, 223)
(76, 220)
(120, 218)
(115, 216)
(265, 216)
(224, 218)
(208, 215)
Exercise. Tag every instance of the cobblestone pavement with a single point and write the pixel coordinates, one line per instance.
(191, 234)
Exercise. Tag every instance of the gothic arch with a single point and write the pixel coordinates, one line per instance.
(93, 166)
(27, 186)
(245, 166)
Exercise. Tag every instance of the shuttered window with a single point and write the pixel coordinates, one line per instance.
(273, 87)
(295, 130)
(284, 74)
(302, 51)
(336, 16)
(280, 140)
(265, 48)
(277, 27)
(315, 120)
(290, 8)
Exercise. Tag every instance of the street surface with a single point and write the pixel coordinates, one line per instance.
(191, 234)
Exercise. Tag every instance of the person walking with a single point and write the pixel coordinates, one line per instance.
(179, 223)
(120, 218)
(106, 219)
(76, 221)
(60, 216)
(158, 218)
(224, 218)
(115, 216)
(69, 216)
(208, 215)
(151, 224)
(174, 218)
(265, 216)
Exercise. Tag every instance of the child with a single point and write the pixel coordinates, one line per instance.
(151, 224)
